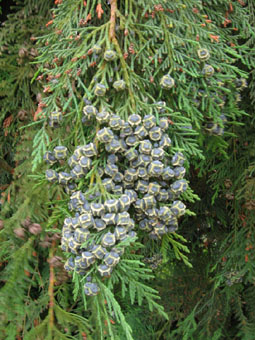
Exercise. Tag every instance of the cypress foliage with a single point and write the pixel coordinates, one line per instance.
(220, 307)
(185, 61)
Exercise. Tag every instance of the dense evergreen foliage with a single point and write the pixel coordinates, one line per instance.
(66, 65)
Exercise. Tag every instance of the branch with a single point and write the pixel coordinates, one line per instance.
(51, 288)
(113, 38)
(113, 19)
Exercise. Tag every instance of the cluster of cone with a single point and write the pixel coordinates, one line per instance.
(136, 187)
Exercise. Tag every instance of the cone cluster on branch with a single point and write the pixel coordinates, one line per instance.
(132, 184)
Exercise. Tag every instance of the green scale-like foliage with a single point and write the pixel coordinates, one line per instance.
(224, 234)
(24, 268)
(163, 41)
(17, 94)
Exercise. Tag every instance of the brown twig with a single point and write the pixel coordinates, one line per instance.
(113, 19)
(4, 186)
(51, 288)
(113, 38)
